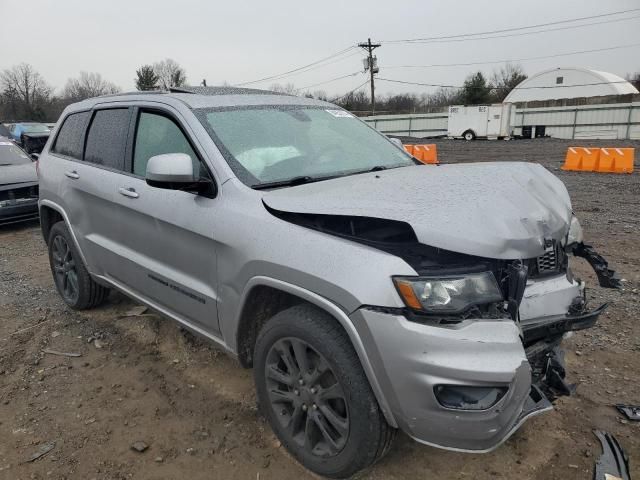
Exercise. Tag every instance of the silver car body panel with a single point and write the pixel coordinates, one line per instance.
(219, 249)
(461, 199)
(18, 174)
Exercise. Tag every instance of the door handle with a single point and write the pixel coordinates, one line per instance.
(128, 192)
(73, 174)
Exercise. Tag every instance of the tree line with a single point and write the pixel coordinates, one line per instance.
(25, 94)
(477, 89)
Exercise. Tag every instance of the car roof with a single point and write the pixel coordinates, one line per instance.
(208, 97)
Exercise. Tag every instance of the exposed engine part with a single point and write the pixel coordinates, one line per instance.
(606, 277)
(517, 282)
(547, 369)
(632, 412)
(613, 464)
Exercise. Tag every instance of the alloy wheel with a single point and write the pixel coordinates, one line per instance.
(64, 268)
(306, 397)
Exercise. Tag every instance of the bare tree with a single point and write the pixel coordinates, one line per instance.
(321, 95)
(88, 85)
(289, 88)
(170, 74)
(443, 97)
(24, 92)
(634, 79)
(506, 79)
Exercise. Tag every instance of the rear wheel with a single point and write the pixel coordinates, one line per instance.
(74, 284)
(469, 135)
(312, 390)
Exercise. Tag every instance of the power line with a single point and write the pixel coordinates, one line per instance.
(279, 77)
(498, 88)
(491, 32)
(349, 93)
(569, 27)
(332, 80)
(322, 60)
(516, 59)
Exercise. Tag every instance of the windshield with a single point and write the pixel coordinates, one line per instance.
(35, 129)
(264, 145)
(12, 155)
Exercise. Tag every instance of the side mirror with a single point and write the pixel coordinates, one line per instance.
(173, 171)
(35, 157)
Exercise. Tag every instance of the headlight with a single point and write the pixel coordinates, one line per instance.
(575, 232)
(448, 294)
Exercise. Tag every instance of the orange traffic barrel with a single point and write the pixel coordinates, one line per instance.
(615, 160)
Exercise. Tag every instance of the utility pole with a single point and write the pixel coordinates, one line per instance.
(372, 66)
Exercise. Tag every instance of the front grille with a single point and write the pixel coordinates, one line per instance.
(548, 262)
(15, 195)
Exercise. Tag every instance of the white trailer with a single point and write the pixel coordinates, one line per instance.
(481, 121)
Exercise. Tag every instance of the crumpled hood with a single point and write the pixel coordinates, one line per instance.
(18, 174)
(501, 210)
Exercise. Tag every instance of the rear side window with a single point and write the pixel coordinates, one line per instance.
(70, 139)
(157, 135)
(107, 138)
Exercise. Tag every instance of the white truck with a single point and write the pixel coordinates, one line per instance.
(481, 121)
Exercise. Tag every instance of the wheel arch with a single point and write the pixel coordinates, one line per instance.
(281, 295)
(471, 131)
(52, 213)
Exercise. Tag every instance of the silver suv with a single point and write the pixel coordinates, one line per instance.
(369, 292)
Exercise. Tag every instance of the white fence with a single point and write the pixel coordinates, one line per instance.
(610, 121)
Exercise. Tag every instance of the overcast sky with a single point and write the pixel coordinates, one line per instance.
(239, 41)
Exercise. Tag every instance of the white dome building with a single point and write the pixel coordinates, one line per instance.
(572, 82)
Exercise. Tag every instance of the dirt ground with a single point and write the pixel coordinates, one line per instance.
(142, 379)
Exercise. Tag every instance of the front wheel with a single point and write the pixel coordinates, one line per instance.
(469, 135)
(315, 395)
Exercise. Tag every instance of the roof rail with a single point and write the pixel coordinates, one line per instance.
(199, 90)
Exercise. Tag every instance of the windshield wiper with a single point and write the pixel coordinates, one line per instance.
(377, 168)
(290, 182)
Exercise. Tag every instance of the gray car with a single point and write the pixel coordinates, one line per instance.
(369, 292)
(18, 184)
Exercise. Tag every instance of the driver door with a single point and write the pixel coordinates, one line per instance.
(166, 236)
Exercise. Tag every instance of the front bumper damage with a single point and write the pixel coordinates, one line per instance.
(412, 360)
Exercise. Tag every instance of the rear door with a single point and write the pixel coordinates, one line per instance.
(494, 121)
(166, 236)
(90, 166)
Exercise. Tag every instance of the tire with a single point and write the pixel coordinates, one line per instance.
(469, 135)
(340, 398)
(72, 280)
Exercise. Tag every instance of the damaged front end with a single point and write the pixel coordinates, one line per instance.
(476, 350)
(543, 328)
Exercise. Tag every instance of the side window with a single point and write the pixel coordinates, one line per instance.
(156, 135)
(107, 138)
(70, 139)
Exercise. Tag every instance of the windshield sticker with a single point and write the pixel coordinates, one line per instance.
(339, 113)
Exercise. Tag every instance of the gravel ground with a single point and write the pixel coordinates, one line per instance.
(139, 378)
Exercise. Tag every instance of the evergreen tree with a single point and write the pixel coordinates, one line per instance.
(146, 78)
